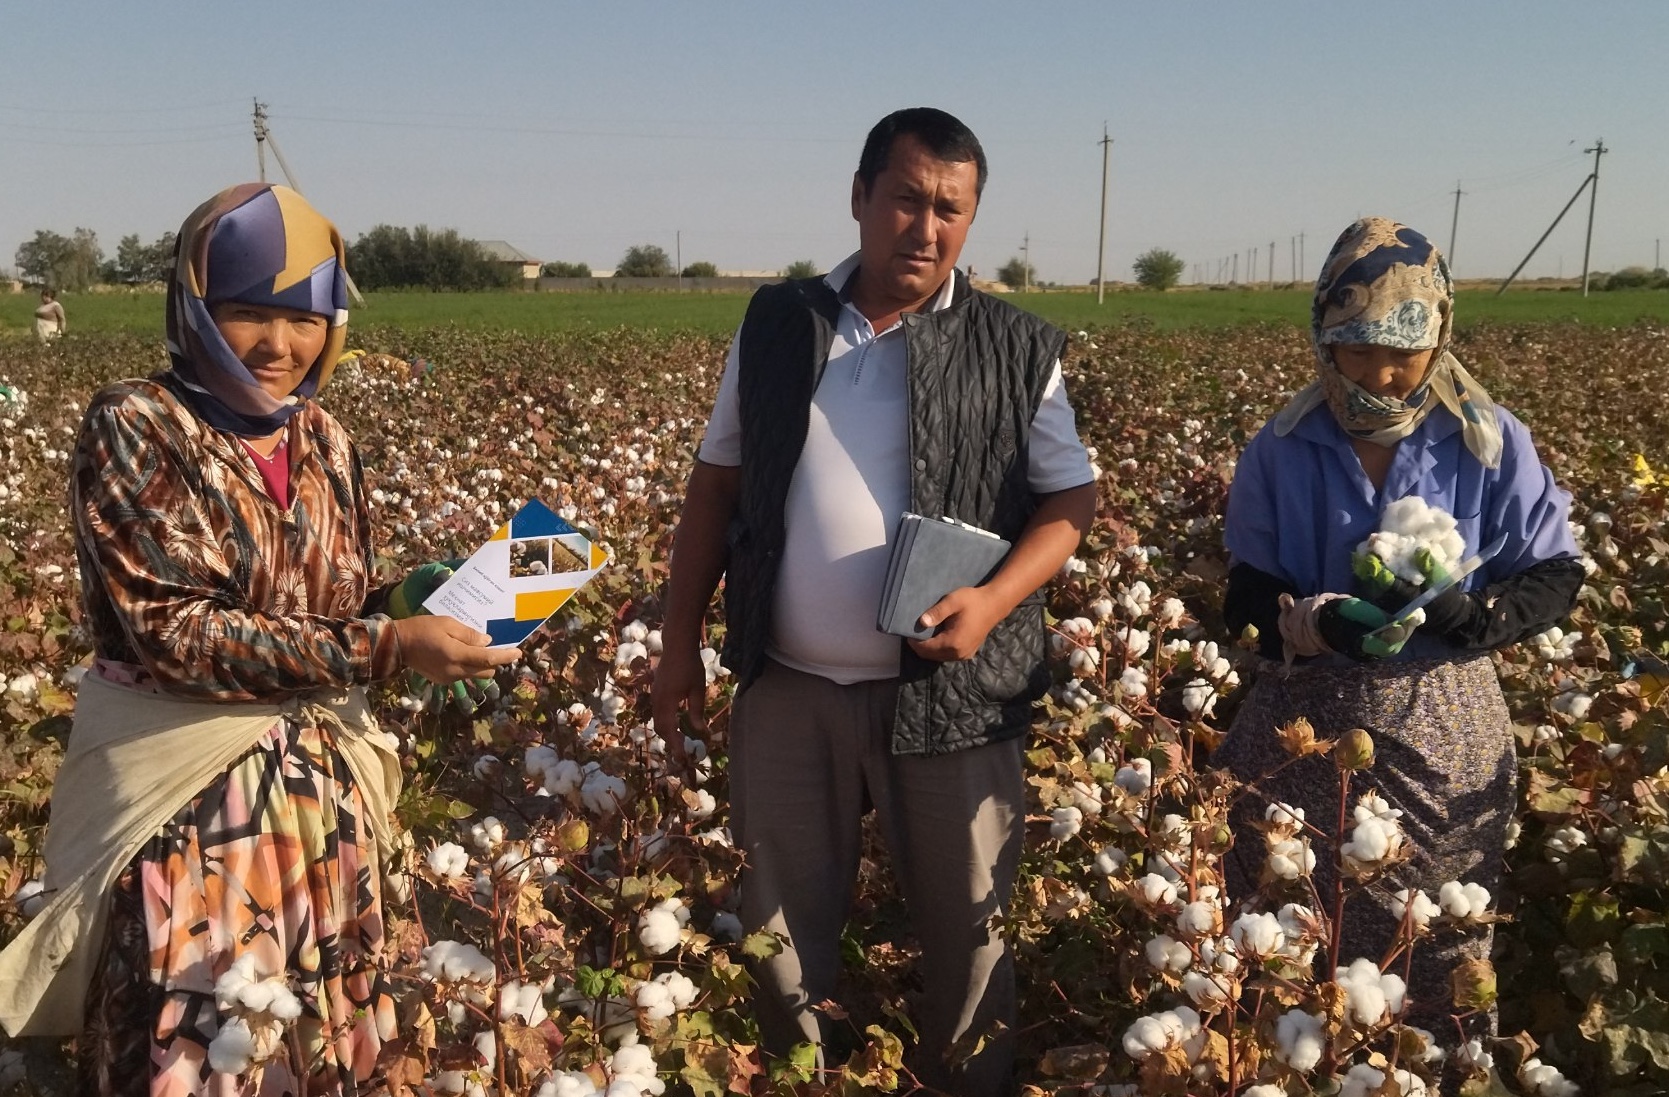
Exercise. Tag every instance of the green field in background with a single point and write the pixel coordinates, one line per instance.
(721, 312)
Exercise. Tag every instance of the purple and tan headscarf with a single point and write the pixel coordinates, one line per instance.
(261, 245)
(1384, 284)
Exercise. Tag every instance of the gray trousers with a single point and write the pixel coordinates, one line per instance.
(804, 755)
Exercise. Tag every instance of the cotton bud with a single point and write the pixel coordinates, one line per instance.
(1472, 985)
(1167, 954)
(1300, 1039)
(1420, 909)
(1354, 750)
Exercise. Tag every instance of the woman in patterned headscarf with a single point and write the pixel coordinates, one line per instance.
(222, 816)
(1391, 415)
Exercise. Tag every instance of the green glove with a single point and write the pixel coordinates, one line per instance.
(1350, 627)
(409, 594)
(406, 600)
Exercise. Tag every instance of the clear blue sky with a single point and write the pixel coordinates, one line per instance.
(574, 130)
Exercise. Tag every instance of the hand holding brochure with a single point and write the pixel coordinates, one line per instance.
(931, 558)
(520, 577)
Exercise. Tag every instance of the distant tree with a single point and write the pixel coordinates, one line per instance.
(701, 269)
(1158, 269)
(1016, 273)
(560, 269)
(159, 258)
(391, 257)
(71, 262)
(138, 262)
(801, 268)
(130, 258)
(644, 261)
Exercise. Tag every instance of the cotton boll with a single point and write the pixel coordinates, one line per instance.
(1463, 902)
(1065, 822)
(487, 834)
(232, 1051)
(1257, 935)
(1154, 891)
(1136, 777)
(1473, 1057)
(30, 897)
(1299, 1039)
(1290, 858)
(1424, 910)
(1168, 954)
(1545, 1080)
(521, 1000)
(1109, 860)
(1198, 918)
(1209, 993)
(660, 928)
(1369, 994)
(447, 860)
(1199, 697)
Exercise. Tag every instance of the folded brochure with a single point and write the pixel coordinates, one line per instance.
(930, 558)
(525, 572)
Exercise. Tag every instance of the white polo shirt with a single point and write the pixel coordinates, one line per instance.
(851, 486)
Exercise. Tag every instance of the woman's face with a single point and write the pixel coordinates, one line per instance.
(277, 345)
(1383, 371)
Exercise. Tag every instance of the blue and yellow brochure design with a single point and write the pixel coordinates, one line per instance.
(524, 573)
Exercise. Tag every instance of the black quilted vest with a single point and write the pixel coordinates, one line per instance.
(977, 370)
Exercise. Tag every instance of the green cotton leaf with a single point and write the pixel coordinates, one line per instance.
(594, 983)
(1592, 919)
(1586, 974)
(457, 809)
(761, 946)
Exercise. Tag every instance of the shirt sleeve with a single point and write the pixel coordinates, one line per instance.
(180, 602)
(1250, 532)
(722, 444)
(1527, 505)
(1056, 459)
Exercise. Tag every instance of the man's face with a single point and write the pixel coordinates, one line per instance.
(912, 222)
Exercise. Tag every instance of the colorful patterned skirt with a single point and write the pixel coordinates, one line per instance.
(1443, 753)
(273, 859)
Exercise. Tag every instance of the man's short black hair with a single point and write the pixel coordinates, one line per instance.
(941, 134)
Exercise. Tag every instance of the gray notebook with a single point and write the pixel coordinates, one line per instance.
(931, 558)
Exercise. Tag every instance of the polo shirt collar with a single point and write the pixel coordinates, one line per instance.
(840, 280)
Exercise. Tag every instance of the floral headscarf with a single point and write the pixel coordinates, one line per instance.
(1384, 284)
(261, 245)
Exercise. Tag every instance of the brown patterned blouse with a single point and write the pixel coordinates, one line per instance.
(192, 571)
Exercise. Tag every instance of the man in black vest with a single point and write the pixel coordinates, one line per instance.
(887, 386)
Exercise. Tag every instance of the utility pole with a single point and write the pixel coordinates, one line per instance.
(1234, 274)
(678, 254)
(1271, 264)
(261, 139)
(264, 137)
(1302, 266)
(1101, 248)
(1026, 261)
(1598, 150)
(1453, 225)
(1294, 242)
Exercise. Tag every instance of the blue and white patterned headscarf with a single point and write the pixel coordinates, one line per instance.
(1384, 284)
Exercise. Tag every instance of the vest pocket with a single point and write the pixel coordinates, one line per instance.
(1011, 666)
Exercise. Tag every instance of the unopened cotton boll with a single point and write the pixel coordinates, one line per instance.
(1300, 1039)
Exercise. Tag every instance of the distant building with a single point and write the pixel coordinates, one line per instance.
(500, 251)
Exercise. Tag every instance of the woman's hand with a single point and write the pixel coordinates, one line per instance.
(444, 651)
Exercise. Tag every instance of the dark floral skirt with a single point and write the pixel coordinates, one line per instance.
(272, 859)
(1443, 754)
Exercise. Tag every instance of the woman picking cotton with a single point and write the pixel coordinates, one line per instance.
(221, 817)
(1369, 488)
